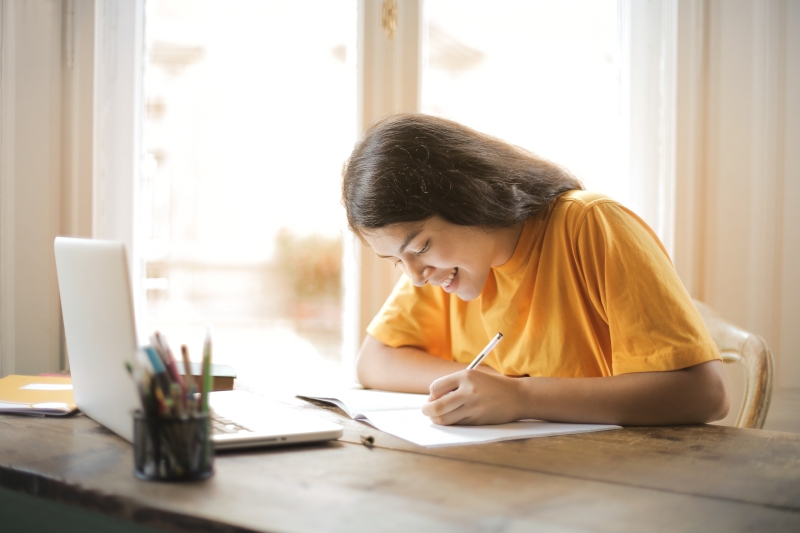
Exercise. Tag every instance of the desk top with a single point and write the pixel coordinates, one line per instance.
(674, 478)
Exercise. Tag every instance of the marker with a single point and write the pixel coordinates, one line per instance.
(155, 360)
(160, 375)
(489, 347)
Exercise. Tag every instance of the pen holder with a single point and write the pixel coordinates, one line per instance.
(172, 449)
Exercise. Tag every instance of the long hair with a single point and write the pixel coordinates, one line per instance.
(410, 167)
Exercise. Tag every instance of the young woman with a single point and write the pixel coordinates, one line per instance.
(597, 326)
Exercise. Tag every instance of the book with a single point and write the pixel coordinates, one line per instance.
(400, 414)
(37, 395)
(222, 376)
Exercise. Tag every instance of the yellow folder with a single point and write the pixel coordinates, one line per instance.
(37, 395)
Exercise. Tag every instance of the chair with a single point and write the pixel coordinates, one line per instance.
(751, 351)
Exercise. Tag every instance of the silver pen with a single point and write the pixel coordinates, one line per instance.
(489, 347)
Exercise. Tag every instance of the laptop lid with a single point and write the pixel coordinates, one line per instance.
(100, 329)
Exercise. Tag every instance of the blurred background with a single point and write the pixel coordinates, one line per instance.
(251, 112)
(209, 137)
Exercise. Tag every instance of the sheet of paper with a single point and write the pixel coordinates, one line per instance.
(413, 426)
(14, 405)
(22, 409)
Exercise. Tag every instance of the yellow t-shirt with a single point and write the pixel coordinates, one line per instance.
(589, 291)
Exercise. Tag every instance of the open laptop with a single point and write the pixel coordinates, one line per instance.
(100, 330)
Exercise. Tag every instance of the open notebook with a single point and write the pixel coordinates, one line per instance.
(400, 414)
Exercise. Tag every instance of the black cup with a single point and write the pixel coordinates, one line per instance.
(172, 449)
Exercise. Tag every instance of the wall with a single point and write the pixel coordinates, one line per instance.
(70, 108)
(30, 185)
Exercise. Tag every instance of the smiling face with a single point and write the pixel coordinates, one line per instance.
(455, 258)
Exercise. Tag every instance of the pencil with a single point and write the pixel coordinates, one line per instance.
(206, 370)
(204, 396)
(191, 387)
(489, 347)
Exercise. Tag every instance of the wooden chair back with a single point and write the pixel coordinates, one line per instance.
(751, 351)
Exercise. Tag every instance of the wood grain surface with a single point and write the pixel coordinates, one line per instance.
(755, 466)
(691, 478)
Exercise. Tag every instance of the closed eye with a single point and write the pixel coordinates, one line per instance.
(425, 248)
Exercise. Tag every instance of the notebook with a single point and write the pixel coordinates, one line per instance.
(400, 414)
(37, 395)
(100, 331)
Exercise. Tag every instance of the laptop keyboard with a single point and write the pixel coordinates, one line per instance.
(221, 425)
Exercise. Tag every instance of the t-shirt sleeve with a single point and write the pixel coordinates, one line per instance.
(631, 282)
(414, 316)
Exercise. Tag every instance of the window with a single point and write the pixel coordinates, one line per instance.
(250, 112)
(544, 75)
(251, 109)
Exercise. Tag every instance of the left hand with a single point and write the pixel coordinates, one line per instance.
(472, 397)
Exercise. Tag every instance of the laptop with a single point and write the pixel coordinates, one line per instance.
(100, 330)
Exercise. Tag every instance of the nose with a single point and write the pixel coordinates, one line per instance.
(419, 274)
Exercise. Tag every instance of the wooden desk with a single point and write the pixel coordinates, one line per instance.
(698, 478)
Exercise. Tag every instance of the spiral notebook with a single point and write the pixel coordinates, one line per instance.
(400, 414)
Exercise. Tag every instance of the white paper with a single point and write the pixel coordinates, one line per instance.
(32, 410)
(47, 386)
(57, 406)
(400, 415)
(14, 405)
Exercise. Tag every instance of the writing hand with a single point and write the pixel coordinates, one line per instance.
(472, 397)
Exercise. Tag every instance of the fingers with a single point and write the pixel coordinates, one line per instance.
(445, 385)
(472, 397)
(442, 406)
(459, 415)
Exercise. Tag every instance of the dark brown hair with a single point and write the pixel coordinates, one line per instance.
(410, 167)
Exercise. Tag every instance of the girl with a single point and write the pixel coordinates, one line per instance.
(597, 326)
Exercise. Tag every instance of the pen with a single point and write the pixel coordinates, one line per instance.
(489, 347)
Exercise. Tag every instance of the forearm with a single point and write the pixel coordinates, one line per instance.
(693, 395)
(404, 369)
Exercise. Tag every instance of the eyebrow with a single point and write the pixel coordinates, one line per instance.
(410, 237)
